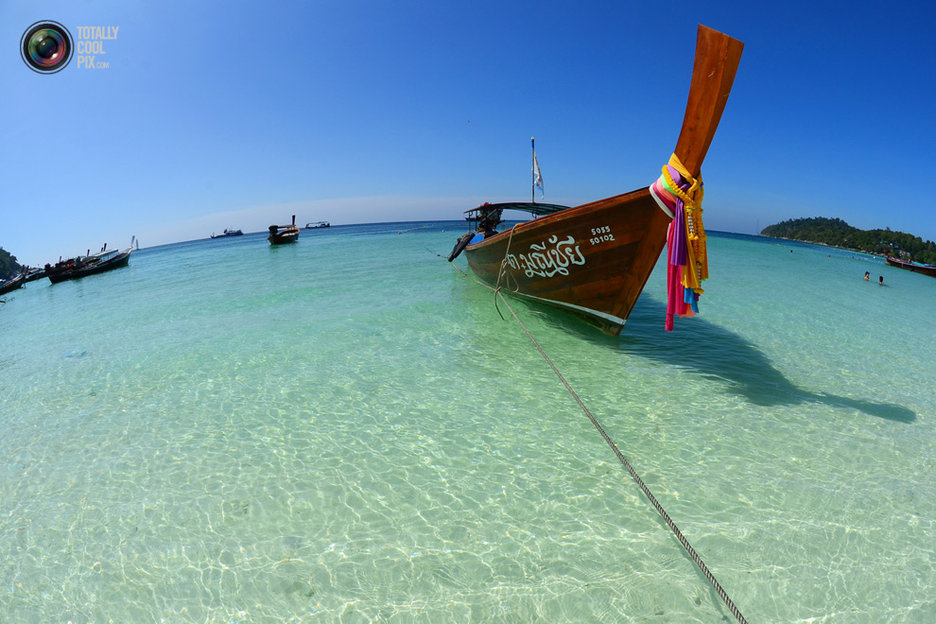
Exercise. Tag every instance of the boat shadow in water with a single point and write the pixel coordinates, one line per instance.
(717, 353)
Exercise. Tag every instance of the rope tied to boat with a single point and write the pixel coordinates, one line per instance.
(687, 256)
(693, 555)
(503, 273)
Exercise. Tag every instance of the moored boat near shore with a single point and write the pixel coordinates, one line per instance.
(916, 267)
(12, 283)
(594, 260)
(82, 266)
(33, 274)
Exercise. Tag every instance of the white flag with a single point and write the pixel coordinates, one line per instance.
(537, 175)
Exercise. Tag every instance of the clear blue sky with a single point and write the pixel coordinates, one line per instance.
(218, 114)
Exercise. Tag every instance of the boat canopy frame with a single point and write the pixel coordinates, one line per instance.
(534, 208)
(486, 217)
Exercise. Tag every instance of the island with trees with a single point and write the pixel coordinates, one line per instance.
(8, 265)
(837, 233)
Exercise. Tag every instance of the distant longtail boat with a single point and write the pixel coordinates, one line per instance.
(282, 234)
(916, 267)
(594, 260)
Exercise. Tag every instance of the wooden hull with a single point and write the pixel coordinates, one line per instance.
(60, 275)
(592, 260)
(925, 269)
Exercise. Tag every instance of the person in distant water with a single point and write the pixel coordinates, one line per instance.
(867, 275)
(881, 280)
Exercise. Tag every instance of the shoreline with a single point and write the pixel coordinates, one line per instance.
(849, 249)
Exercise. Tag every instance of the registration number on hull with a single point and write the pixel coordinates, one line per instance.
(601, 234)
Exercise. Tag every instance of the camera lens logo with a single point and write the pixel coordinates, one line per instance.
(46, 47)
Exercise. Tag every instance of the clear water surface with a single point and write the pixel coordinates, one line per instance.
(344, 430)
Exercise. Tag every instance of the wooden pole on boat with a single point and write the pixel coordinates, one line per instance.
(533, 170)
(716, 63)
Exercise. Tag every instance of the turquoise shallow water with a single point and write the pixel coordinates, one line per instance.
(344, 430)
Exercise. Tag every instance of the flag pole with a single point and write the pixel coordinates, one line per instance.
(533, 170)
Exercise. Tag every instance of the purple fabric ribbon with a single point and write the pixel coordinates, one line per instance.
(678, 252)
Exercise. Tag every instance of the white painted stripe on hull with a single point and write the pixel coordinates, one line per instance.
(610, 318)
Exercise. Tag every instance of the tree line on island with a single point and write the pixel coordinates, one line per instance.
(8, 265)
(838, 233)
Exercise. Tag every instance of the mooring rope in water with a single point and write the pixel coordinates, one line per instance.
(633, 473)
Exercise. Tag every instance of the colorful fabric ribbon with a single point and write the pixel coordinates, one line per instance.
(687, 259)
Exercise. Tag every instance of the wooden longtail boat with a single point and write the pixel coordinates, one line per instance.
(925, 269)
(83, 266)
(34, 274)
(280, 234)
(12, 283)
(594, 260)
